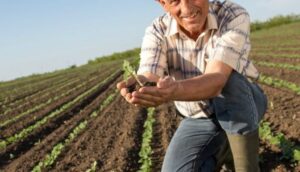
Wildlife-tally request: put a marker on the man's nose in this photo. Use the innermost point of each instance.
(186, 7)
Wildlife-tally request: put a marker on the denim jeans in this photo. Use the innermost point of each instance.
(195, 146)
(241, 106)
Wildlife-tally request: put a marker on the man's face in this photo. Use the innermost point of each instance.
(189, 14)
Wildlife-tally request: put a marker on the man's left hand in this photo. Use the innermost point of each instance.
(155, 96)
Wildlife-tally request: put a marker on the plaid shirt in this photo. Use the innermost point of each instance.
(166, 50)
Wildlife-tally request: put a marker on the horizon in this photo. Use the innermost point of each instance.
(39, 37)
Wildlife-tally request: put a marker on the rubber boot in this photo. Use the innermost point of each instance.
(245, 151)
(224, 159)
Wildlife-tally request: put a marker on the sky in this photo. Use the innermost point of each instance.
(38, 36)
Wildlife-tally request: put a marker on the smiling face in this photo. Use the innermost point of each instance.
(189, 14)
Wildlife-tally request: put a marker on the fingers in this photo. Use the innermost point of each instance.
(154, 91)
(142, 102)
(125, 84)
(148, 98)
(121, 85)
(165, 82)
(145, 96)
(138, 99)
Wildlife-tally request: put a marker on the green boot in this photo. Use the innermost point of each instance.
(245, 151)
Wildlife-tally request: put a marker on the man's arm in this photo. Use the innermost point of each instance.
(206, 86)
(203, 87)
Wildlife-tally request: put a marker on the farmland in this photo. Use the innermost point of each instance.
(74, 120)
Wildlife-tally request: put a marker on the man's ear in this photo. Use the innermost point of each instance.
(163, 4)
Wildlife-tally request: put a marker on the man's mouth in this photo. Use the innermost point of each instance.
(190, 17)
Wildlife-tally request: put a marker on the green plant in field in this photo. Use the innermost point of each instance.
(271, 105)
(56, 151)
(2, 144)
(130, 71)
(105, 103)
(26, 131)
(146, 150)
(296, 154)
(278, 65)
(93, 167)
(279, 83)
(289, 151)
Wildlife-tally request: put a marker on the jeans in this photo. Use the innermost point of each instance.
(195, 146)
(241, 106)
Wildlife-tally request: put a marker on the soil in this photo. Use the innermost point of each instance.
(291, 61)
(279, 73)
(113, 138)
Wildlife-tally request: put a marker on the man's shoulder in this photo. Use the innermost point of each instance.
(164, 20)
(162, 23)
(227, 9)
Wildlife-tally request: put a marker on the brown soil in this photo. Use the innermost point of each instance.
(292, 61)
(17, 111)
(279, 73)
(165, 126)
(30, 158)
(30, 119)
(262, 45)
(274, 51)
(38, 134)
(113, 140)
(284, 114)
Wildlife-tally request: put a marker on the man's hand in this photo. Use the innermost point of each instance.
(123, 87)
(155, 96)
(149, 96)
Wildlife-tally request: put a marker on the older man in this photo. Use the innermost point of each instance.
(198, 55)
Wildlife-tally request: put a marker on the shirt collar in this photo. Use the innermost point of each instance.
(173, 29)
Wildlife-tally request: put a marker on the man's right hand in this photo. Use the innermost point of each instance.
(123, 87)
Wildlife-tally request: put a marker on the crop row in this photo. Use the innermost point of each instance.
(146, 150)
(62, 94)
(288, 148)
(29, 100)
(25, 88)
(26, 131)
(270, 54)
(53, 88)
(274, 49)
(279, 83)
(50, 158)
(278, 65)
(56, 151)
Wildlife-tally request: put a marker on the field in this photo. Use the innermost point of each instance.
(74, 120)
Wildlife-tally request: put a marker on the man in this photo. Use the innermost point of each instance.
(198, 55)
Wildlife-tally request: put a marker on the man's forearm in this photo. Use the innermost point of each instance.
(200, 88)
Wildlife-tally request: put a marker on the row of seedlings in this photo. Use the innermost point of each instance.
(26, 131)
(58, 149)
(51, 100)
(289, 150)
(146, 150)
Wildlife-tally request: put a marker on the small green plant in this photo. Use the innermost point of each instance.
(130, 71)
(93, 167)
(288, 148)
(146, 150)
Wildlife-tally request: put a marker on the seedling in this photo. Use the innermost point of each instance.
(130, 71)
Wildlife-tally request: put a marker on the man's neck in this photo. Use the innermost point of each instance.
(194, 35)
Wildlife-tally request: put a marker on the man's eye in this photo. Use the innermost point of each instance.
(173, 2)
